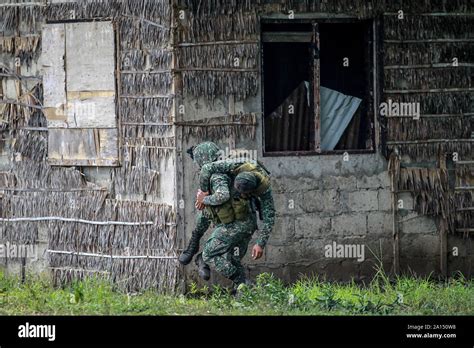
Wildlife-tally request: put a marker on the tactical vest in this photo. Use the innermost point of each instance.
(232, 210)
(262, 177)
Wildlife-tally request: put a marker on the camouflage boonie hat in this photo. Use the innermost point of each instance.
(206, 152)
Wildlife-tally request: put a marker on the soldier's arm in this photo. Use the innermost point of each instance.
(268, 213)
(218, 167)
(220, 186)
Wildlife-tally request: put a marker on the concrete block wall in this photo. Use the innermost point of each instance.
(314, 212)
(324, 199)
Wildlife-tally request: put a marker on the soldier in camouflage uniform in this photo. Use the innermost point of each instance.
(233, 221)
(251, 180)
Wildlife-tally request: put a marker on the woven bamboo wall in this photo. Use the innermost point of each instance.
(418, 67)
(93, 223)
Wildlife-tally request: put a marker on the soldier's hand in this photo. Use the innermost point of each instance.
(200, 196)
(257, 252)
(199, 206)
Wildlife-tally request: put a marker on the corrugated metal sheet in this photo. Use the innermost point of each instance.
(288, 127)
(337, 110)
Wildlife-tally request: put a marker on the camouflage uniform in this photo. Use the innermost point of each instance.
(229, 241)
(265, 197)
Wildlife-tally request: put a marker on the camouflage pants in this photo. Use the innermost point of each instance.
(227, 246)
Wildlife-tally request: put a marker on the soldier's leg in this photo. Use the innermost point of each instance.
(202, 224)
(242, 247)
(221, 246)
(217, 250)
(238, 254)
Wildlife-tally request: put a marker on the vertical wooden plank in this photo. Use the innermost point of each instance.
(54, 74)
(394, 172)
(375, 71)
(118, 86)
(90, 56)
(443, 233)
(316, 85)
(90, 73)
(231, 113)
(79, 77)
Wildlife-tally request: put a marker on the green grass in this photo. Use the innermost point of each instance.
(308, 296)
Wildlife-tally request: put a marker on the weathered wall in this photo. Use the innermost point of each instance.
(324, 199)
(319, 199)
(140, 191)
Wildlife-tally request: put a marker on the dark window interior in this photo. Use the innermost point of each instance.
(337, 41)
(286, 67)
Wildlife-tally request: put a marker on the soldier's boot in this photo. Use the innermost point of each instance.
(241, 282)
(193, 247)
(203, 268)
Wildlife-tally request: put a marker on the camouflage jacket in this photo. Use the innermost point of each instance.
(266, 198)
(220, 184)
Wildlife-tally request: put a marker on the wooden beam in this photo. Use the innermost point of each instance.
(78, 253)
(427, 41)
(217, 69)
(433, 14)
(428, 66)
(408, 142)
(434, 90)
(469, 114)
(286, 37)
(212, 43)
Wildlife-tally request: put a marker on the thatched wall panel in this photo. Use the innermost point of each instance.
(450, 77)
(144, 33)
(428, 53)
(425, 128)
(438, 103)
(427, 27)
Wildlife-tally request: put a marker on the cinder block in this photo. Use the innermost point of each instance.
(275, 254)
(293, 184)
(381, 180)
(283, 230)
(306, 250)
(349, 224)
(338, 182)
(418, 224)
(405, 201)
(385, 200)
(379, 223)
(420, 246)
(363, 200)
(287, 203)
(320, 201)
(312, 226)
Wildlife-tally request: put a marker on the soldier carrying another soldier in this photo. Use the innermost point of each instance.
(228, 195)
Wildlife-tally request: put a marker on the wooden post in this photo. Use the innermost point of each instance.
(316, 89)
(394, 171)
(232, 139)
(443, 233)
(176, 116)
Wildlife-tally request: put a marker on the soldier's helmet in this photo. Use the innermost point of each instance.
(206, 152)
